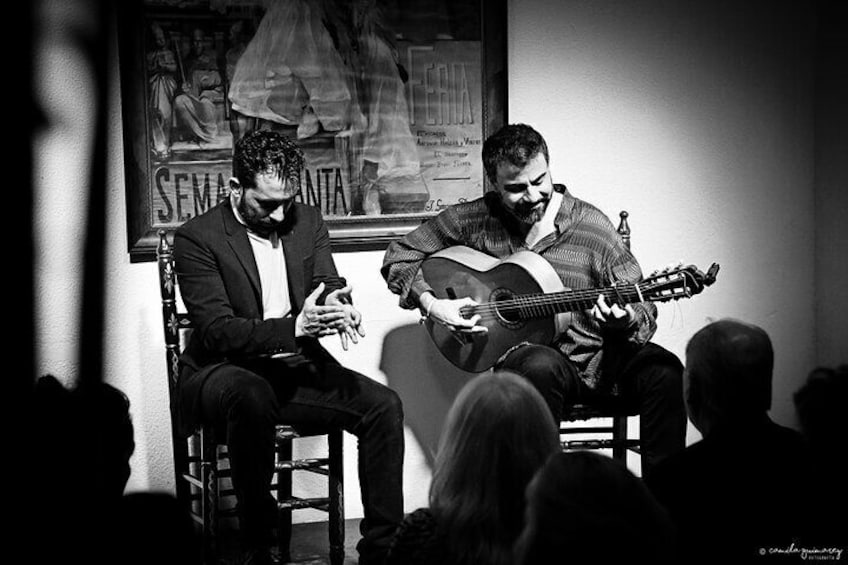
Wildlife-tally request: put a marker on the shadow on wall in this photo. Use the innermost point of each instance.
(426, 382)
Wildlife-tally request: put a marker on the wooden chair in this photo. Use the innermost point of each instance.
(198, 459)
(616, 430)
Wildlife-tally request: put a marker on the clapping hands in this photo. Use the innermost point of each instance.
(351, 329)
(336, 316)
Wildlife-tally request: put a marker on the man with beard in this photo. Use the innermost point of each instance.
(603, 356)
(258, 279)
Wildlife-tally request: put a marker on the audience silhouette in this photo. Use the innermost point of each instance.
(748, 489)
(741, 492)
(498, 433)
(820, 404)
(586, 508)
(82, 439)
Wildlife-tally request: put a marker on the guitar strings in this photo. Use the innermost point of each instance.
(543, 304)
(540, 305)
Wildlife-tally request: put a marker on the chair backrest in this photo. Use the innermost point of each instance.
(176, 327)
(624, 228)
(175, 323)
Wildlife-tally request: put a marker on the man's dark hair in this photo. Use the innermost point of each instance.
(264, 151)
(514, 143)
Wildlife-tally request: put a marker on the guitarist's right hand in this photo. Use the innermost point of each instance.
(448, 313)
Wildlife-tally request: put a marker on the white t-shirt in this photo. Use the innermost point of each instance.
(546, 225)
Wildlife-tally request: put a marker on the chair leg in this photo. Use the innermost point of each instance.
(181, 465)
(619, 436)
(336, 487)
(209, 497)
(284, 492)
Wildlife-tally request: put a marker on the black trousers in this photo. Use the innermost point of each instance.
(245, 401)
(651, 385)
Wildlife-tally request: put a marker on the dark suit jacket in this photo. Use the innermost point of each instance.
(219, 284)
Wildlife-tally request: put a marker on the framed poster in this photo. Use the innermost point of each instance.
(389, 99)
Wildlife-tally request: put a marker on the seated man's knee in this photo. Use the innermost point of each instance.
(248, 396)
(549, 371)
(389, 404)
(542, 365)
(385, 412)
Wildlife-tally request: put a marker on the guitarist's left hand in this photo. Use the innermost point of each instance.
(612, 317)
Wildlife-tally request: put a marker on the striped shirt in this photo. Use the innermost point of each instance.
(585, 250)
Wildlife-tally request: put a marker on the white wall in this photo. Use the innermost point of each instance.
(832, 189)
(696, 117)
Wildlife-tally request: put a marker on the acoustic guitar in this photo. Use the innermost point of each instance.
(521, 298)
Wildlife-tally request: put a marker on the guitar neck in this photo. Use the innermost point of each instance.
(541, 305)
(574, 300)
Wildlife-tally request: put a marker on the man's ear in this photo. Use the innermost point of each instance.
(235, 186)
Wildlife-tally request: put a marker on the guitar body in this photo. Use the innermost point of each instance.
(459, 272)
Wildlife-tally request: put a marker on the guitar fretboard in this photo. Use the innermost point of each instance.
(541, 305)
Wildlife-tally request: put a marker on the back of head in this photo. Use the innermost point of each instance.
(91, 426)
(88, 431)
(498, 432)
(820, 404)
(585, 507)
(728, 375)
(516, 144)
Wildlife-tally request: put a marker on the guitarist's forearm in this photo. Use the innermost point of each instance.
(420, 290)
(401, 271)
(425, 301)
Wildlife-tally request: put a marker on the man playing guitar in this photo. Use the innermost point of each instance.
(603, 355)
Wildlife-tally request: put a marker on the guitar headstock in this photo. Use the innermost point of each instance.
(673, 283)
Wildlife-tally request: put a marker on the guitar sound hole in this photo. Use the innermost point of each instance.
(508, 314)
